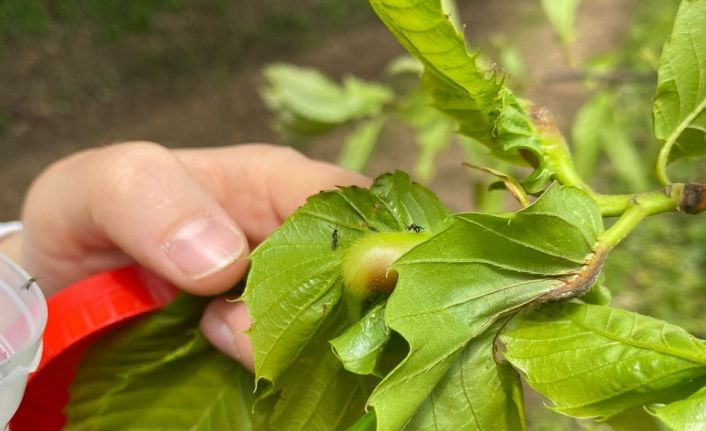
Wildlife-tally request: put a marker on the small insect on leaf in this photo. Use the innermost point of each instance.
(415, 228)
(334, 239)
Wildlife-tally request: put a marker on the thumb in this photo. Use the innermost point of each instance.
(135, 200)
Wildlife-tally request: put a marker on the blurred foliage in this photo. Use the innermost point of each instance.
(306, 105)
(561, 14)
(307, 102)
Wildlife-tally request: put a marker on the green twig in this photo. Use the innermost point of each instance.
(633, 208)
(625, 224)
(659, 201)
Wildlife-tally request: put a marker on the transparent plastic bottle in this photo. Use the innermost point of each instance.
(23, 316)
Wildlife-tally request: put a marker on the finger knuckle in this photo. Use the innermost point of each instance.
(127, 168)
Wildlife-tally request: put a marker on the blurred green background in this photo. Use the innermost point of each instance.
(80, 73)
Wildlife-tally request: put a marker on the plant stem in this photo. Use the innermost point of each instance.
(659, 201)
(556, 153)
(625, 224)
(633, 208)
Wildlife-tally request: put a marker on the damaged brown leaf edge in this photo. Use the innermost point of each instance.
(691, 200)
(579, 283)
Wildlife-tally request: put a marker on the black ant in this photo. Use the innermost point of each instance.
(29, 283)
(334, 239)
(415, 228)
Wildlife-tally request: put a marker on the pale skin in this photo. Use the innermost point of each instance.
(191, 216)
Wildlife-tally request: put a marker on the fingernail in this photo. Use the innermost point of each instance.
(219, 334)
(204, 246)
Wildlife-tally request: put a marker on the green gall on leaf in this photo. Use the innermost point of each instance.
(295, 298)
(367, 266)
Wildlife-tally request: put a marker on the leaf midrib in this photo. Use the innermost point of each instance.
(219, 398)
(278, 337)
(696, 359)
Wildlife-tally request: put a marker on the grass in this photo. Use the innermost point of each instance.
(20, 19)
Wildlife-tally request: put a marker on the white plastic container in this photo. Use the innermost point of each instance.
(23, 315)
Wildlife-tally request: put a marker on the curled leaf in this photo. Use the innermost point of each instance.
(485, 109)
(361, 346)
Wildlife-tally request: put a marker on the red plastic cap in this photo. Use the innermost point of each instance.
(78, 315)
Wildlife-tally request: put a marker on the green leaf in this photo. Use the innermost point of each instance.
(295, 288)
(598, 295)
(453, 287)
(432, 138)
(360, 347)
(511, 58)
(635, 419)
(365, 423)
(485, 109)
(359, 145)
(316, 392)
(307, 102)
(475, 394)
(586, 132)
(691, 143)
(686, 414)
(404, 64)
(160, 373)
(680, 104)
(433, 132)
(623, 155)
(562, 15)
(634, 359)
(597, 128)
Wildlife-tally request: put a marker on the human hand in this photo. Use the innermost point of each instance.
(190, 216)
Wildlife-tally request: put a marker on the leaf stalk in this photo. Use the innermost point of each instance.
(664, 200)
(632, 209)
